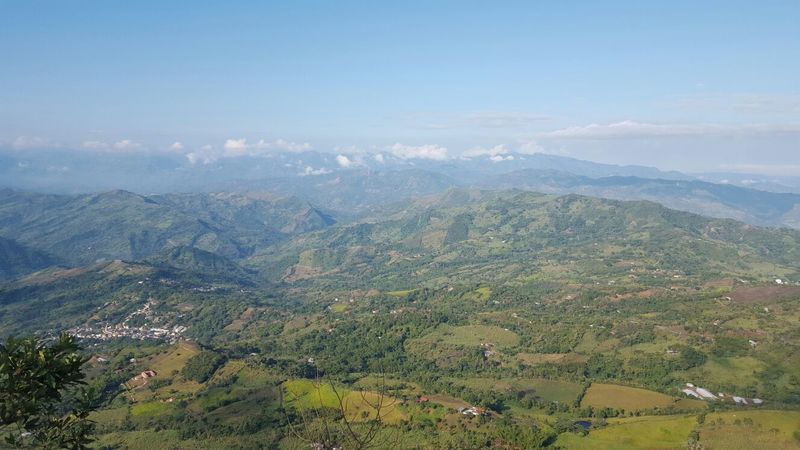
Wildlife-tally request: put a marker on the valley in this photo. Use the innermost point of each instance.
(415, 225)
(482, 312)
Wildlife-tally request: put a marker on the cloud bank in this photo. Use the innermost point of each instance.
(427, 151)
(240, 147)
(629, 129)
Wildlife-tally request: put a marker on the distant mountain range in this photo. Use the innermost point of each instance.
(506, 235)
(715, 200)
(66, 171)
(348, 187)
(74, 244)
(83, 229)
(17, 259)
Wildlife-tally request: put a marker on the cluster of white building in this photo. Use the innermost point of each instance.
(473, 411)
(704, 394)
(123, 330)
(109, 332)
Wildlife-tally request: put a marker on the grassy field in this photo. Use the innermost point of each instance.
(339, 307)
(532, 359)
(623, 397)
(400, 294)
(738, 371)
(113, 417)
(549, 390)
(592, 344)
(174, 359)
(150, 409)
(357, 405)
(448, 401)
(167, 364)
(634, 433)
(472, 335)
(743, 430)
(239, 323)
(481, 294)
(363, 406)
(149, 440)
(308, 394)
(689, 403)
(394, 386)
(229, 369)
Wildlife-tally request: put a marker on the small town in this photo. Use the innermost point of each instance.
(120, 330)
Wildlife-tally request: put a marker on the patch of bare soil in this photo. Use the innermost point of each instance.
(764, 294)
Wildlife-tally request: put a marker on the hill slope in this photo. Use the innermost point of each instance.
(716, 200)
(82, 229)
(512, 235)
(17, 259)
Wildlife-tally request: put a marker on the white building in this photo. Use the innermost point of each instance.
(705, 393)
(691, 393)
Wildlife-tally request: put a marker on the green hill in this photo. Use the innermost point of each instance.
(513, 235)
(700, 197)
(201, 262)
(82, 229)
(17, 259)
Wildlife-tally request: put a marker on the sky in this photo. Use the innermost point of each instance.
(681, 85)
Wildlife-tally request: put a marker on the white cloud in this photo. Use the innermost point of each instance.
(240, 147)
(427, 151)
(198, 157)
(624, 129)
(629, 129)
(530, 148)
(288, 146)
(176, 146)
(123, 145)
(344, 161)
(493, 151)
(498, 158)
(94, 145)
(204, 155)
(193, 158)
(350, 149)
(28, 142)
(496, 153)
(126, 144)
(379, 157)
(235, 147)
(312, 171)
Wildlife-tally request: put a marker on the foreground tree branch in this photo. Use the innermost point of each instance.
(43, 399)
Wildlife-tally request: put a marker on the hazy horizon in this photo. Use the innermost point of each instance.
(694, 88)
(400, 225)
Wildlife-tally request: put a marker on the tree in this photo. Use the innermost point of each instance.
(43, 398)
(201, 366)
(330, 424)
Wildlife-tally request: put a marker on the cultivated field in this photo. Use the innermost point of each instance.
(358, 406)
(601, 395)
(472, 335)
(744, 430)
(634, 433)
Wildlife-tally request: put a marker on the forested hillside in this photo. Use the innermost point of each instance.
(474, 317)
(507, 236)
(82, 229)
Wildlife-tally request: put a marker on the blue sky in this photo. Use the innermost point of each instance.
(681, 85)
